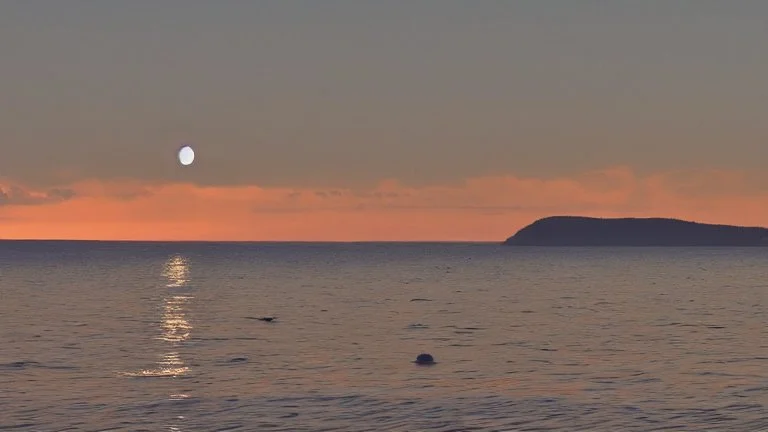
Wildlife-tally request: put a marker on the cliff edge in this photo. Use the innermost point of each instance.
(587, 231)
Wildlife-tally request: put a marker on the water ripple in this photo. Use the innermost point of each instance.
(598, 340)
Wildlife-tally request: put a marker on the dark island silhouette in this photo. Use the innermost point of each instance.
(588, 231)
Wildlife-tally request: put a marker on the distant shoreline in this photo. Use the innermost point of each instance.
(635, 232)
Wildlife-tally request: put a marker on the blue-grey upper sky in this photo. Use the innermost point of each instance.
(333, 92)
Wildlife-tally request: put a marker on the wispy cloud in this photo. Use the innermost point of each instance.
(14, 195)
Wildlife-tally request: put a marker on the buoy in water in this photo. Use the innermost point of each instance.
(425, 359)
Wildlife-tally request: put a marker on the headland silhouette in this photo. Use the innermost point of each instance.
(590, 231)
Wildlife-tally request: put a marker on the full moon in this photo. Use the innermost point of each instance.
(186, 155)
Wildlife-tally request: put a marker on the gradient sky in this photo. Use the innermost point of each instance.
(373, 120)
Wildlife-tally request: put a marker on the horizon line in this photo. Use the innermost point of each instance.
(251, 241)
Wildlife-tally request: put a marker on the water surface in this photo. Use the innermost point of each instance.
(157, 336)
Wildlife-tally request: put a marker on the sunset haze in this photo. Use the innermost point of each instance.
(386, 121)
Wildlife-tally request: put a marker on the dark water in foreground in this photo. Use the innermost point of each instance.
(110, 336)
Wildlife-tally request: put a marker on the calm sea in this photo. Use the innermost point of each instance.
(157, 337)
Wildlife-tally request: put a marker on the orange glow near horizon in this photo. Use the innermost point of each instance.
(478, 209)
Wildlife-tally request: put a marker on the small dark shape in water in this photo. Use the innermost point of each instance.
(22, 364)
(420, 299)
(265, 319)
(425, 359)
(418, 326)
(238, 359)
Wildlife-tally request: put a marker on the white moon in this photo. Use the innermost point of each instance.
(186, 155)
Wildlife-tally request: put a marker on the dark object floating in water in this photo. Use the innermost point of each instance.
(20, 364)
(420, 299)
(425, 359)
(238, 359)
(265, 319)
(418, 326)
(588, 231)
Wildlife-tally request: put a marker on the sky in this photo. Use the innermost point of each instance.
(368, 120)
